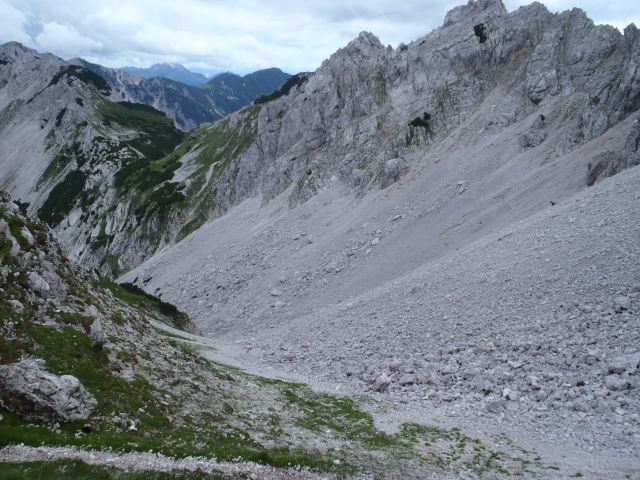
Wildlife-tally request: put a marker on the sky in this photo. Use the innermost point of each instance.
(240, 35)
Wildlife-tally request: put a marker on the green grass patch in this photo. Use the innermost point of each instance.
(138, 298)
(321, 412)
(167, 334)
(62, 159)
(480, 31)
(156, 134)
(70, 351)
(62, 198)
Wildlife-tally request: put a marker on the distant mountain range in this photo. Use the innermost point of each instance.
(172, 71)
(235, 90)
(190, 106)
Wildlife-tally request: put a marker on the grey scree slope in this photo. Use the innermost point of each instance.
(458, 293)
(533, 324)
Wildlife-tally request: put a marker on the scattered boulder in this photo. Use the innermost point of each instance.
(580, 406)
(37, 283)
(407, 379)
(27, 389)
(6, 231)
(532, 138)
(605, 165)
(97, 334)
(395, 365)
(391, 172)
(616, 383)
(622, 302)
(26, 234)
(624, 363)
(534, 382)
(16, 305)
(496, 406)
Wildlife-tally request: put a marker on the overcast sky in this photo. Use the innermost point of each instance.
(239, 35)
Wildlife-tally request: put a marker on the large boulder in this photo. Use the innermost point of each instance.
(27, 389)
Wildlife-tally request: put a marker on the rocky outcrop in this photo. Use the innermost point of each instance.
(27, 388)
(65, 144)
(611, 162)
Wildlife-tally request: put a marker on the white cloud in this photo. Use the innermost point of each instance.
(240, 36)
(12, 25)
(65, 41)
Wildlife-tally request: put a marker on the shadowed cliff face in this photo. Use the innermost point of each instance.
(366, 117)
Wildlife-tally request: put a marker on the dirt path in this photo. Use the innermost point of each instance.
(155, 462)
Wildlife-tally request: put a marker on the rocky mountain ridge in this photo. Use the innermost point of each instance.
(370, 114)
(369, 109)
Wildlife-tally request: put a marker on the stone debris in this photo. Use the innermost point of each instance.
(540, 330)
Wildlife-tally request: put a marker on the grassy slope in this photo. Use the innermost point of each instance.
(156, 134)
(138, 135)
(147, 182)
(142, 147)
(216, 146)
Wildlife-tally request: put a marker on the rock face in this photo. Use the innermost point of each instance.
(369, 104)
(370, 113)
(29, 390)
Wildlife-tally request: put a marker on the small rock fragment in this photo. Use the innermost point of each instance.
(381, 383)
